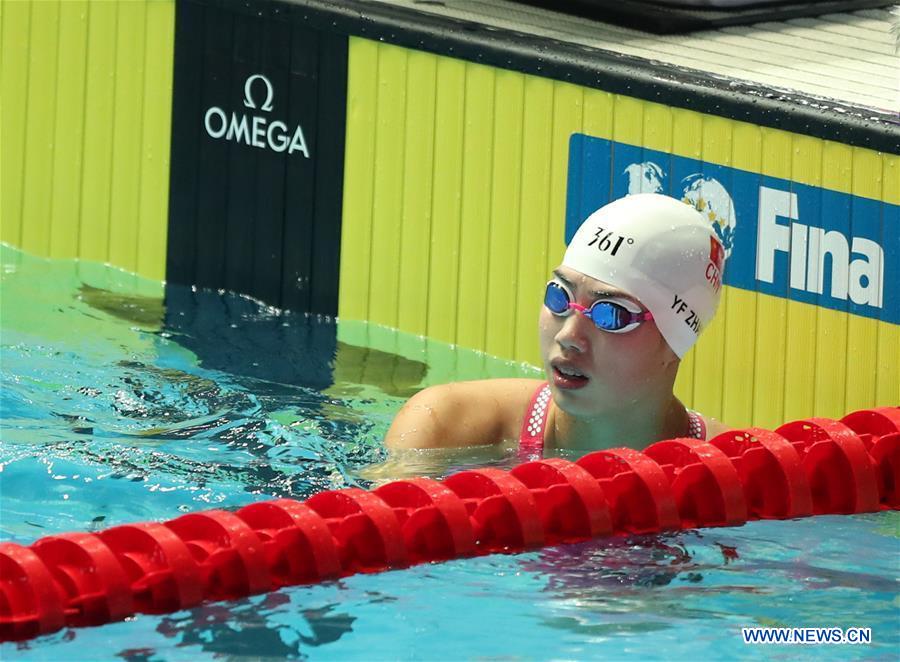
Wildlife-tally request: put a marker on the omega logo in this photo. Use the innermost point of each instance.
(257, 130)
(248, 98)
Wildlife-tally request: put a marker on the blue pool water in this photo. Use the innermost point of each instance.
(117, 408)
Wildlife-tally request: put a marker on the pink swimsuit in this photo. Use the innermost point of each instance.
(531, 438)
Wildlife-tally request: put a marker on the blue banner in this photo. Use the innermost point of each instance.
(782, 238)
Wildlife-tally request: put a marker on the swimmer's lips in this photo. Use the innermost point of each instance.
(563, 380)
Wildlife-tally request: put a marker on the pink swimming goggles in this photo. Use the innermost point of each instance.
(607, 314)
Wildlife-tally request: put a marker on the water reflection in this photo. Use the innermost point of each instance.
(216, 400)
(250, 628)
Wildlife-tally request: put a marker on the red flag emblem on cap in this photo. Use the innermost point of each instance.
(716, 262)
(716, 253)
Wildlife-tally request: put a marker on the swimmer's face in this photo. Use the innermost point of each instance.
(611, 370)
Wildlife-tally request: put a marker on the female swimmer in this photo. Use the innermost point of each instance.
(638, 283)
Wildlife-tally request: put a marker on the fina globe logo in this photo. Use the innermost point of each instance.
(706, 195)
(857, 263)
(256, 130)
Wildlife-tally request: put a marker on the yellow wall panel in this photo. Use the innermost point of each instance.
(38, 161)
(359, 164)
(800, 366)
(99, 109)
(599, 110)
(831, 364)
(14, 31)
(69, 131)
(862, 363)
(509, 108)
(390, 119)
(444, 262)
(887, 367)
(658, 127)
(537, 162)
(628, 120)
(739, 317)
(687, 132)
(155, 140)
(126, 146)
(478, 154)
(420, 170)
(87, 97)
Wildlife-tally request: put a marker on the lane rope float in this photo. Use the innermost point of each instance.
(814, 466)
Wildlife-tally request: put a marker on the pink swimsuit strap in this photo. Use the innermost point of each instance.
(696, 425)
(531, 437)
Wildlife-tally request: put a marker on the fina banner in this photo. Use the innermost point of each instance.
(790, 240)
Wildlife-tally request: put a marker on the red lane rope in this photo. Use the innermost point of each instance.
(814, 466)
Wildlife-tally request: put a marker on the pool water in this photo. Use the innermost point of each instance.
(124, 402)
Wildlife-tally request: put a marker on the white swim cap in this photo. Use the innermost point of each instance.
(661, 251)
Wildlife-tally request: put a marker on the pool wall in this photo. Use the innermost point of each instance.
(438, 172)
(257, 153)
(87, 96)
(495, 197)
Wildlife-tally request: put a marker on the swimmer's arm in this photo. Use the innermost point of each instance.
(463, 414)
(445, 416)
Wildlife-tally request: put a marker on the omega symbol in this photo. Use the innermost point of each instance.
(255, 130)
(248, 97)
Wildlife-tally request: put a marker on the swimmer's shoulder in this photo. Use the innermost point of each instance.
(460, 414)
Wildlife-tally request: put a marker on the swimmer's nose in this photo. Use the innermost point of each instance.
(574, 334)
